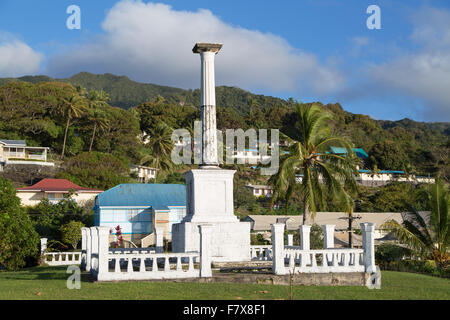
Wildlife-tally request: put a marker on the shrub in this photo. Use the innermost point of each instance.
(71, 233)
(18, 239)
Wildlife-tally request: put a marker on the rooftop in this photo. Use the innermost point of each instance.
(60, 185)
(263, 222)
(157, 196)
(21, 143)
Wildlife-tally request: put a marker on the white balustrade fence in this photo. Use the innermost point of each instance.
(62, 258)
(261, 253)
(113, 264)
(59, 258)
(300, 259)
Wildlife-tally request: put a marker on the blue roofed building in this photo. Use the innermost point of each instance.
(360, 153)
(139, 208)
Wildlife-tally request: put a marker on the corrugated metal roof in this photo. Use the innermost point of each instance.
(157, 196)
(14, 142)
(360, 153)
(47, 184)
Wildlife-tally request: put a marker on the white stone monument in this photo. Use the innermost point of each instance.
(209, 189)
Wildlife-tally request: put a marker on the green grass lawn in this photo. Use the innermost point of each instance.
(47, 283)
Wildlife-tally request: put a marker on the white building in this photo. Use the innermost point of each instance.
(17, 152)
(144, 174)
(261, 190)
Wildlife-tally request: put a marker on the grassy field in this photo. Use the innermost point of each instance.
(48, 283)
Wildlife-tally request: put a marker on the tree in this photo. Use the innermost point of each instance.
(97, 99)
(324, 173)
(18, 239)
(427, 237)
(72, 107)
(161, 145)
(71, 233)
(96, 170)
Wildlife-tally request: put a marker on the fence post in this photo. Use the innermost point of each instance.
(43, 245)
(304, 237)
(278, 248)
(88, 249)
(205, 250)
(83, 247)
(328, 236)
(103, 250)
(94, 250)
(290, 239)
(368, 238)
(159, 239)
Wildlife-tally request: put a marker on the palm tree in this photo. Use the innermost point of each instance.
(97, 99)
(161, 145)
(427, 237)
(324, 173)
(73, 107)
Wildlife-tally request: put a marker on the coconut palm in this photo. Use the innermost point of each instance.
(97, 99)
(72, 107)
(427, 236)
(324, 173)
(161, 144)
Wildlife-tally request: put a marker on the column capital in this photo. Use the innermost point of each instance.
(206, 47)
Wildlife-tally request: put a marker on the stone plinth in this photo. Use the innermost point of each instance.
(209, 197)
(230, 241)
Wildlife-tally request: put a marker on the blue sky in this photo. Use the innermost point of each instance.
(312, 50)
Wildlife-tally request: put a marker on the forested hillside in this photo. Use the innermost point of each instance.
(31, 109)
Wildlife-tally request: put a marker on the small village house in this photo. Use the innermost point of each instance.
(139, 208)
(144, 174)
(17, 152)
(260, 190)
(55, 190)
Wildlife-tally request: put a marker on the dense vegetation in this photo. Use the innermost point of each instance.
(416, 147)
(102, 140)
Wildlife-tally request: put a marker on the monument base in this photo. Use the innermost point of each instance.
(230, 240)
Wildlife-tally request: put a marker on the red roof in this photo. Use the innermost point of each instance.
(56, 185)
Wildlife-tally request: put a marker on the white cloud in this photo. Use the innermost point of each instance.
(18, 59)
(152, 43)
(424, 74)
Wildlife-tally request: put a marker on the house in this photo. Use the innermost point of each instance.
(262, 223)
(55, 190)
(359, 152)
(261, 190)
(144, 174)
(139, 208)
(17, 152)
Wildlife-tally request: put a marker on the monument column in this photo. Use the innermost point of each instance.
(207, 53)
(209, 189)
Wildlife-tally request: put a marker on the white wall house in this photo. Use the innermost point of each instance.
(144, 174)
(55, 190)
(17, 152)
(260, 190)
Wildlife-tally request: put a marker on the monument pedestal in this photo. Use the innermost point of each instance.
(209, 197)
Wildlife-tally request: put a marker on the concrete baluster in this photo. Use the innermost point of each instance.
(103, 252)
(278, 249)
(368, 229)
(205, 250)
(290, 239)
